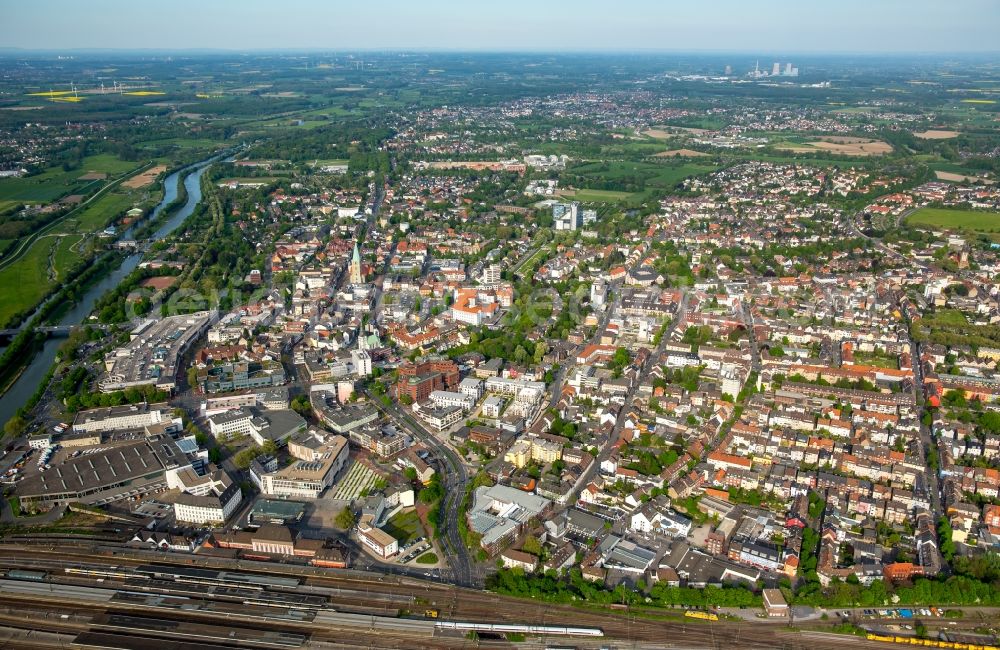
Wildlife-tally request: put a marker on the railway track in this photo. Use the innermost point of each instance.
(354, 590)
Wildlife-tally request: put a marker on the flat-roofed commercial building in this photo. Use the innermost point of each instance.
(384, 544)
(308, 478)
(106, 475)
(153, 355)
(277, 425)
(213, 507)
(116, 418)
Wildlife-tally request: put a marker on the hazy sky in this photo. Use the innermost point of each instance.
(573, 25)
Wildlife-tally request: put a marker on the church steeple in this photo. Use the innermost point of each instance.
(354, 271)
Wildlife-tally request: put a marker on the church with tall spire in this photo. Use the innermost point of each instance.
(354, 270)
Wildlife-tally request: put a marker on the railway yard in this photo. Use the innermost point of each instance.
(91, 597)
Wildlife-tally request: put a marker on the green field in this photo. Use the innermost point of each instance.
(25, 282)
(986, 222)
(182, 143)
(45, 264)
(602, 196)
(266, 180)
(404, 526)
(650, 176)
(98, 213)
(947, 317)
(48, 259)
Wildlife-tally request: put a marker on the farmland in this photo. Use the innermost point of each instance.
(839, 145)
(937, 134)
(56, 182)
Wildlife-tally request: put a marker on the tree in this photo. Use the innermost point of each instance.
(302, 406)
(532, 545)
(540, 350)
(15, 426)
(345, 518)
(243, 459)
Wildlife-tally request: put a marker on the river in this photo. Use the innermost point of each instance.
(33, 374)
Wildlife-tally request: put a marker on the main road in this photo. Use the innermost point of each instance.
(456, 479)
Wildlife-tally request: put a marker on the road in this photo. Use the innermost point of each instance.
(679, 318)
(755, 364)
(926, 439)
(456, 478)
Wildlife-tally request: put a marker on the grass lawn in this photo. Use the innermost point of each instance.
(987, 222)
(948, 317)
(25, 281)
(65, 255)
(404, 526)
(96, 215)
(878, 360)
(427, 558)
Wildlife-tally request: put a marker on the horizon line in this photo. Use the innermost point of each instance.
(526, 51)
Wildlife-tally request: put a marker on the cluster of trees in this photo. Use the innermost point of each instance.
(860, 384)
(346, 519)
(687, 378)
(573, 587)
(112, 306)
(84, 399)
(563, 428)
(494, 344)
(697, 335)
(945, 543)
(950, 332)
(648, 463)
(244, 458)
(471, 538)
(955, 590)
